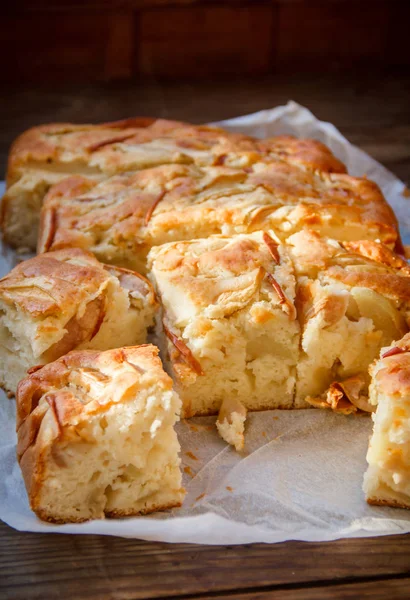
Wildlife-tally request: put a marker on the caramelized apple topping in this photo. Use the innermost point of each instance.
(272, 247)
(392, 352)
(130, 280)
(48, 229)
(184, 351)
(333, 308)
(344, 397)
(79, 329)
(153, 207)
(286, 305)
(113, 140)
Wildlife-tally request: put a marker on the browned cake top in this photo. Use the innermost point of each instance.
(82, 383)
(393, 370)
(138, 142)
(175, 202)
(53, 284)
(366, 264)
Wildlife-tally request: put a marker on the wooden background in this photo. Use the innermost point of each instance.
(90, 40)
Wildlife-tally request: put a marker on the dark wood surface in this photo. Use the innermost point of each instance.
(91, 40)
(374, 112)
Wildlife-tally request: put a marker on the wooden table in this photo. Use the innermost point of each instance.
(373, 112)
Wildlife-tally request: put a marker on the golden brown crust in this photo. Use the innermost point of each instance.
(52, 143)
(302, 151)
(48, 143)
(379, 253)
(50, 284)
(65, 404)
(382, 502)
(393, 372)
(344, 397)
(225, 272)
(53, 401)
(115, 514)
(365, 263)
(391, 285)
(130, 213)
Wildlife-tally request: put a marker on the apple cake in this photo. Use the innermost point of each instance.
(45, 155)
(54, 303)
(228, 325)
(352, 299)
(387, 480)
(122, 218)
(96, 436)
(277, 325)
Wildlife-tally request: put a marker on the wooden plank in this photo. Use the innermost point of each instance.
(94, 567)
(199, 41)
(376, 590)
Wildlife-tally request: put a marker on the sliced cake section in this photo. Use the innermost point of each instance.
(228, 327)
(45, 155)
(96, 436)
(122, 218)
(353, 298)
(63, 300)
(387, 480)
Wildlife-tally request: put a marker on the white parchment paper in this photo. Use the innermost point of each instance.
(300, 477)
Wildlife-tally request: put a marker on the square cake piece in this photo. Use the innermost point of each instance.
(387, 480)
(228, 326)
(63, 300)
(122, 218)
(96, 436)
(352, 299)
(45, 155)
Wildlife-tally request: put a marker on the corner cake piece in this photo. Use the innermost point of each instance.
(63, 300)
(96, 436)
(123, 217)
(353, 298)
(43, 156)
(387, 480)
(228, 327)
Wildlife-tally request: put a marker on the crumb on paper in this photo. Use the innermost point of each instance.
(406, 192)
(275, 418)
(200, 497)
(191, 455)
(264, 433)
(190, 425)
(189, 472)
(229, 488)
(231, 423)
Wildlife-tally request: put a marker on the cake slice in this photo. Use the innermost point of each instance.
(228, 327)
(387, 480)
(96, 436)
(45, 155)
(352, 299)
(63, 300)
